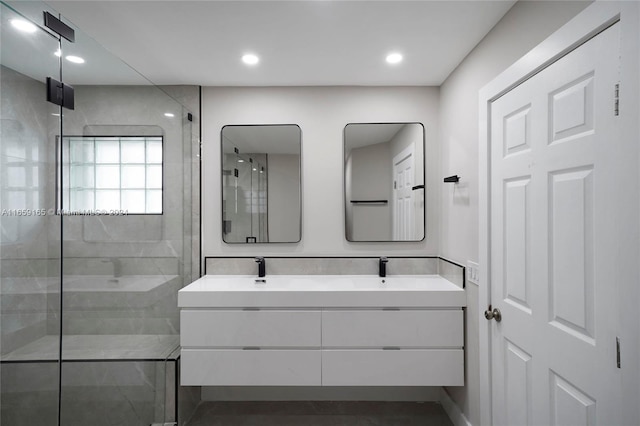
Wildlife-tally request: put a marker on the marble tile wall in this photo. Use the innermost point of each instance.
(29, 394)
(337, 266)
(137, 309)
(24, 305)
(113, 393)
(133, 110)
(451, 271)
(189, 96)
(29, 269)
(321, 265)
(103, 265)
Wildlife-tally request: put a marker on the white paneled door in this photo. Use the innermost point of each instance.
(554, 149)
(403, 195)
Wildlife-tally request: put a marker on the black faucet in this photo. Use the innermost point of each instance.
(382, 266)
(261, 266)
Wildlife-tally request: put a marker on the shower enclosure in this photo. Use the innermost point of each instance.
(244, 204)
(97, 231)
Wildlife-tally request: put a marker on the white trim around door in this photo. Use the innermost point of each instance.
(583, 27)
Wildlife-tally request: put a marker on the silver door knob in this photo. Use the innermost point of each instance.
(493, 314)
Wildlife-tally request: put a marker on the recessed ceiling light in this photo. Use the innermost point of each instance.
(169, 114)
(55, 114)
(75, 59)
(24, 26)
(255, 170)
(58, 53)
(250, 59)
(394, 58)
(240, 161)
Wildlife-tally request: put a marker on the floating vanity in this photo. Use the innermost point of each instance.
(322, 330)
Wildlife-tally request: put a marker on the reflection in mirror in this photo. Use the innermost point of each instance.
(261, 196)
(384, 181)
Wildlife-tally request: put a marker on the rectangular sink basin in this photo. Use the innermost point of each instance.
(304, 291)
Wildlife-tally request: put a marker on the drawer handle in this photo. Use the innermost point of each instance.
(250, 309)
(390, 348)
(251, 348)
(390, 309)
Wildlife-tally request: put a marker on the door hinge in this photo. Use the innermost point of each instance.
(616, 100)
(59, 27)
(59, 93)
(618, 351)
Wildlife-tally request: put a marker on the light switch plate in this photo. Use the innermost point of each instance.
(473, 272)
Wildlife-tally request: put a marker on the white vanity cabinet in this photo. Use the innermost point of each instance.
(250, 347)
(388, 347)
(302, 332)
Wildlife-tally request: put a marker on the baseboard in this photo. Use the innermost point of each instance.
(454, 412)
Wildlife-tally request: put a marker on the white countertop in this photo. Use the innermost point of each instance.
(308, 291)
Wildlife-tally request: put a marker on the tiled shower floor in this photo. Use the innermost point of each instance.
(97, 347)
(319, 413)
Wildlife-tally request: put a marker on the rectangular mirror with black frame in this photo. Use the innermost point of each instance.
(261, 183)
(384, 181)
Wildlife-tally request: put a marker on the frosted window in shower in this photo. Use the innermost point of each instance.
(108, 199)
(154, 177)
(133, 177)
(133, 200)
(107, 176)
(132, 152)
(154, 152)
(107, 151)
(112, 173)
(154, 200)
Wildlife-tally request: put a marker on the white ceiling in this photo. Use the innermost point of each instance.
(299, 42)
(34, 54)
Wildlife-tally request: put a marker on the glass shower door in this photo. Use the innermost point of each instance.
(126, 241)
(30, 237)
(96, 232)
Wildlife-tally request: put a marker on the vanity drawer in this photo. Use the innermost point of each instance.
(231, 367)
(401, 328)
(263, 328)
(405, 367)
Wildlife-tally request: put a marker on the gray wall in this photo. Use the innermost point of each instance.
(370, 179)
(284, 197)
(520, 30)
(322, 113)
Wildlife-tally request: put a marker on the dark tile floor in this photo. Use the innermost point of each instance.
(319, 413)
